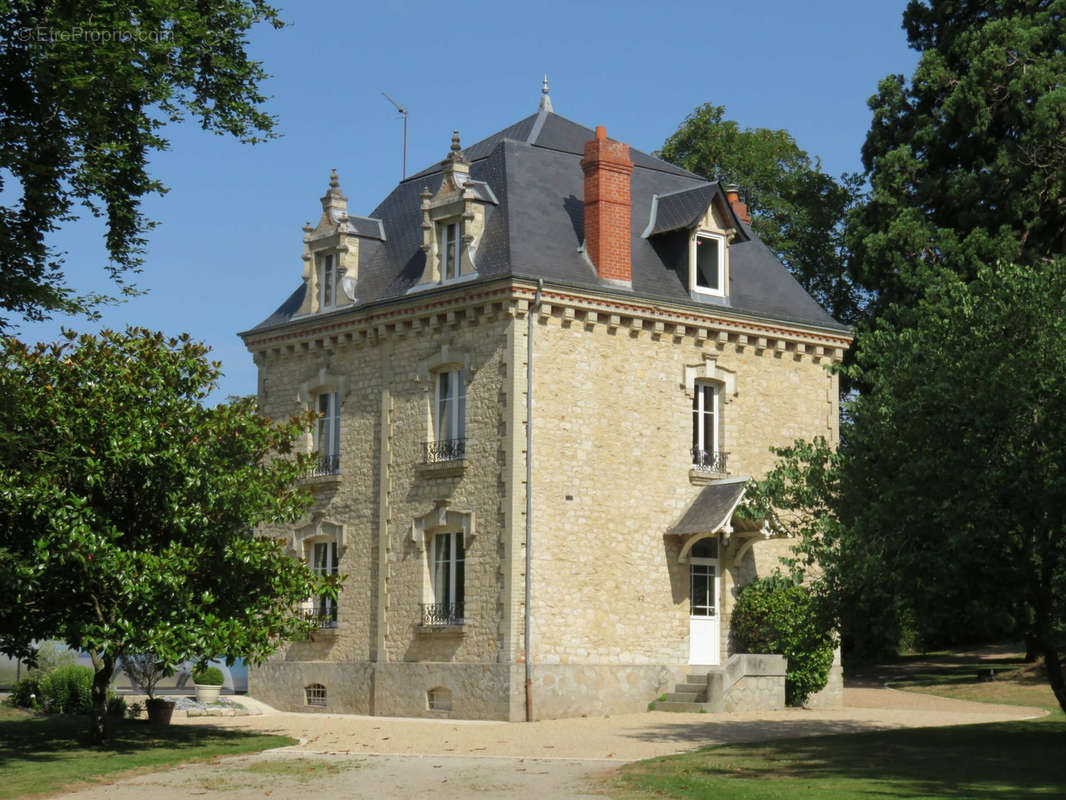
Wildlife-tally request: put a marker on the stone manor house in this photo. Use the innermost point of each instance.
(670, 349)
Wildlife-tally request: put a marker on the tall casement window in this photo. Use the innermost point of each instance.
(705, 453)
(448, 578)
(324, 563)
(708, 265)
(449, 416)
(327, 281)
(449, 249)
(327, 434)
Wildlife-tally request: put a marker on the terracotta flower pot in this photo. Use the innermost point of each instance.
(160, 711)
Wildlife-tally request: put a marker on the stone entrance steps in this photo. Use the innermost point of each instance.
(746, 682)
(690, 696)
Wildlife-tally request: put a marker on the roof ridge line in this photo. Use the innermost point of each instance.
(689, 189)
(538, 124)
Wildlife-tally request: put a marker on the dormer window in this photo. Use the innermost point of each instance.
(453, 221)
(449, 248)
(707, 264)
(327, 281)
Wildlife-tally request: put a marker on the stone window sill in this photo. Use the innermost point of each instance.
(326, 631)
(322, 480)
(442, 469)
(702, 477)
(456, 629)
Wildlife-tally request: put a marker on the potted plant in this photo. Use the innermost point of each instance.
(144, 672)
(208, 682)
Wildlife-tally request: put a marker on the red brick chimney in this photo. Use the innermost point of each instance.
(607, 206)
(732, 193)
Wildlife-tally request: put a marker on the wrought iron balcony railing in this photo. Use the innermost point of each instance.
(324, 618)
(709, 460)
(444, 450)
(442, 613)
(326, 465)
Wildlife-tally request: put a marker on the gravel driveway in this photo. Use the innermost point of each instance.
(356, 757)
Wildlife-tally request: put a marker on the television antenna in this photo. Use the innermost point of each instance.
(403, 113)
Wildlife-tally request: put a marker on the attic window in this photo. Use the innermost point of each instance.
(449, 248)
(327, 281)
(707, 264)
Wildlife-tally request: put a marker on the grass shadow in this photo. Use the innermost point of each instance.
(41, 754)
(996, 760)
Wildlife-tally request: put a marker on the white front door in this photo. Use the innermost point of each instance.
(703, 610)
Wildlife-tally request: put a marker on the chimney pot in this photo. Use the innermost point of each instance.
(732, 193)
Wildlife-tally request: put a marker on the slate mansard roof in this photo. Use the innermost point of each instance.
(534, 229)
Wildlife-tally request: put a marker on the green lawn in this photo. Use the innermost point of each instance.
(42, 755)
(997, 760)
(1011, 686)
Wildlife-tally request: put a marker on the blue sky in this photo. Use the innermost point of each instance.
(227, 251)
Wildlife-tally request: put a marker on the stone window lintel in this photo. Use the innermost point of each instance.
(710, 370)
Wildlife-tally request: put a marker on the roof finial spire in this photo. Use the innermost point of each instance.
(545, 99)
(334, 197)
(455, 154)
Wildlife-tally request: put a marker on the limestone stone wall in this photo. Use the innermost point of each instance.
(612, 460)
(612, 428)
(756, 693)
(400, 369)
(574, 690)
(477, 691)
(832, 696)
(281, 684)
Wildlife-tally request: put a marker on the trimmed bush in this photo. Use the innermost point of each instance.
(776, 615)
(67, 690)
(26, 693)
(116, 706)
(210, 676)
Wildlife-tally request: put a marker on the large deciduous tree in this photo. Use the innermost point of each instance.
(797, 209)
(128, 509)
(85, 89)
(967, 160)
(948, 495)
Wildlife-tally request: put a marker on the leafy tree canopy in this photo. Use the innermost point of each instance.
(967, 160)
(797, 209)
(127, 508)
(85, 89)
(948, 494)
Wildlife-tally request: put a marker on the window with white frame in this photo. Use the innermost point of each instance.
(705, 452)
(327, 280)
(449, 416)
(447, 562)
(324, 563)
(449, 249)
(327, 434)
(707, 264)
(703, 564)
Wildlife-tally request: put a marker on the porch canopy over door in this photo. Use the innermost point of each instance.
(710, 513)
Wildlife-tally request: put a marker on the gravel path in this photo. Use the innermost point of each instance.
(355, 757)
